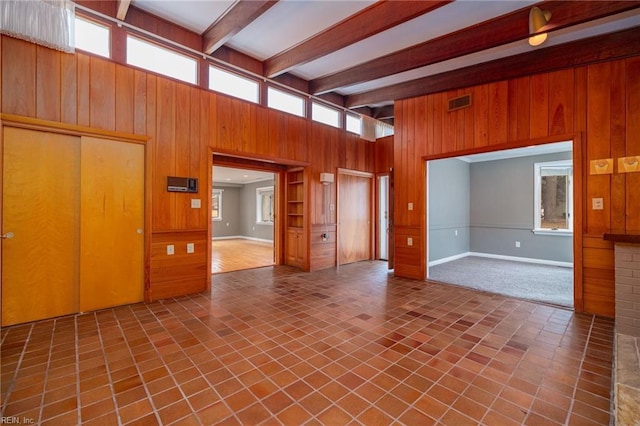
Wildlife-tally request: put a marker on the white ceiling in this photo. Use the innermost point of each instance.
(548, 148)
(227, 175)
(290, 22)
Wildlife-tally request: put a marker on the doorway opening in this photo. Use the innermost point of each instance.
(243, 219)
(502, 222)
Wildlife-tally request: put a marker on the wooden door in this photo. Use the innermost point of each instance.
(354, 217)
(112, 220)
(40, 190)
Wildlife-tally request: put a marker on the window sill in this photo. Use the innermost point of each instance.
(264, 223)
(558, 233)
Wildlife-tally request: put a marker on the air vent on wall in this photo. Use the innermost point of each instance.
(459, 102)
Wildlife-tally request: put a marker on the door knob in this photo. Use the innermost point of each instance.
(7, 236)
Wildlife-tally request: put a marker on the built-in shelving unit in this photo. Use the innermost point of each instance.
(296, 238)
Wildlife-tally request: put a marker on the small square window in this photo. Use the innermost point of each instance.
(553, 197)
(216, 204)
(265, 213)
(286, 102)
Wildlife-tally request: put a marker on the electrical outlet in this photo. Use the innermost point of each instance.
(191, 248)
(517, 244)
(409, 241)
(410, 206)
(597, 203)
(170, 250)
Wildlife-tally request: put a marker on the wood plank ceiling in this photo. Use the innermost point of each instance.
(365, 54)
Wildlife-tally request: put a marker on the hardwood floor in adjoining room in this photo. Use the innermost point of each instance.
(277, 346)
(238, 253)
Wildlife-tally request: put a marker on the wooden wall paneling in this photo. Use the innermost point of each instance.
(468, 124)
(262, 128)
(449, 134)
(164, 164)
(498, 112)
(439, 102)
(102, 91)
(224, 121)
(68, 89)
(182, 152)
(140, 102)
(323, 253)
(83, 92)
(19, 79)
(632, 207)
(429, 143)
(407, 258)
(618, 145)
(198, 150)
(578, 219)
(181, 273)
(598, 275)
(297, 146)
(481, 115)
(125, 100)
(561, 102)
(598, 146)
(47, 83)
(539, 109)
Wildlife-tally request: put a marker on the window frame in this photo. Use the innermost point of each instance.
(537, 195)
(356, 117)
(216, 193)
(166, 48)
(259, 205)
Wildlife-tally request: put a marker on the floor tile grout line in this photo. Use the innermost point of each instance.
(5, 403)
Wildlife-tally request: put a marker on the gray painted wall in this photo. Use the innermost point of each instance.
(448, 208)
(239, 213)
(231, 224)
(501, 210)
(248, 213)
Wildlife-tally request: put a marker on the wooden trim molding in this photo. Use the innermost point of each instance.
(69, 129)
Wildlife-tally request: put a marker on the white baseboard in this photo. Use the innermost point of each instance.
(523, 259)
(449, 259)
(501, 257)
(242, 237)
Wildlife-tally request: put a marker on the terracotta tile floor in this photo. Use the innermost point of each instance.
(349, 346)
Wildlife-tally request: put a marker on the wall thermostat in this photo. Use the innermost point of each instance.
(182, 184)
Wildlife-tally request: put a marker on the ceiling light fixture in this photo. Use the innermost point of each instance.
(537, 20)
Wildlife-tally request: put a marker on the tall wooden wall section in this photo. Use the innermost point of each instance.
(599, 103)
(184, 124)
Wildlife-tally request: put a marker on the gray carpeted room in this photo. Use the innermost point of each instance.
(501, 222)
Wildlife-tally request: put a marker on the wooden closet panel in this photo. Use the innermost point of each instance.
(111, 223)
(41, 208)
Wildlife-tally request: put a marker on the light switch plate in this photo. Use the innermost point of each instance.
(410, 206)
(190, 248)
(170, 250)
(409, 241)
(195, 203)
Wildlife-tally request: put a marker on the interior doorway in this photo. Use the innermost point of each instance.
(383, 217)
(243, 218)
(502, 222)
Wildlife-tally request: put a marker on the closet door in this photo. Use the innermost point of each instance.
(111, 223)
(40, 244)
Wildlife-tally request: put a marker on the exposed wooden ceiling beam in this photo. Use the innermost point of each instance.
(123, 8)
(612, 46)
(241, 14)
(376, 18)
(495, 32)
